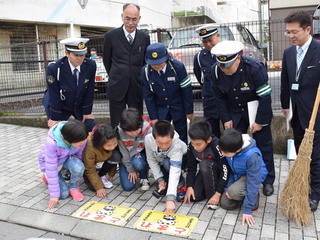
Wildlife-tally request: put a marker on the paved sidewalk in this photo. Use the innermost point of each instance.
(23, 200)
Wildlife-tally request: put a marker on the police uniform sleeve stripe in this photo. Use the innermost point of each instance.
(186, 82)
(263, 90)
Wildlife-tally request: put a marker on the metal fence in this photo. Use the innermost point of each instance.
(23, 65)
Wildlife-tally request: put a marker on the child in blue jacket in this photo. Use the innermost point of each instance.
(248, 171)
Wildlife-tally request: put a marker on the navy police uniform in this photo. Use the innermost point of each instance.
(248, 83)
(66, 96)
(168, 94)
(202, 64)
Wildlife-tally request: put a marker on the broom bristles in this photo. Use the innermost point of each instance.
(294, 199)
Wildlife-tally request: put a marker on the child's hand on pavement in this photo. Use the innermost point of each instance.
(215, 199)
(247, 218)
(189, 194)
(101, 193)
(53, 202)
(170, 206)
(133, 176)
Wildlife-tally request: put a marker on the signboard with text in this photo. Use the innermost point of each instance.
(169, 224)
(104, 212)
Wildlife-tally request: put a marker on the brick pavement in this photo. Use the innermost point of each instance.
(23, 200)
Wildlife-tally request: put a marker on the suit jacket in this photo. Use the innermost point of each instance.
(63, 94)
(309, 78)
(123, 62)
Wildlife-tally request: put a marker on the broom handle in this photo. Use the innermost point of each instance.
(315, 110)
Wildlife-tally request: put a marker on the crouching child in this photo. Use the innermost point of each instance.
(164, 152)
(210, 180)
(248, 171)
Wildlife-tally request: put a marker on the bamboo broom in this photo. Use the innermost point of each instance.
(294, 199)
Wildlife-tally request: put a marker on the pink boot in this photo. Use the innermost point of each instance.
(76, 194)
(44, 178)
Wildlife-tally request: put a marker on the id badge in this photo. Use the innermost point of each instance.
(295, 86)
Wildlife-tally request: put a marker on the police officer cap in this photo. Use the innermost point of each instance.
(156, 53)
(76, 45)
(227, 52)
(206, 31)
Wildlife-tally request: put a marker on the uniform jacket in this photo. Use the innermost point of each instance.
(202, 72)
(302, 100)
(248, 83)
(130, 146)
(123, 62)
(167, 93)
(62, 92)
(211, 153)
(92, 156)
(248, 162)
(53, 154)
(155, 158)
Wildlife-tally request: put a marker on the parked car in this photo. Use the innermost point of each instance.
(186, 43)
(101, 81)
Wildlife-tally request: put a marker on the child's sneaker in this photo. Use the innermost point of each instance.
(181, 192)
(44, 178)
(213, 206)
(106, 182)
(145, 185)
(76, 194)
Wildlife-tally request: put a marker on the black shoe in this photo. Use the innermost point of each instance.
(313, 204)
(156, 193)
(268, 190)
(65, 174)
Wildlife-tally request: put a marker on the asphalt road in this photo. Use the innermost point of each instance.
(11, 231)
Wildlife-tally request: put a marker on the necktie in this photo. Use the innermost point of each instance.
(299, 57)
(130, 38)
(75, 76)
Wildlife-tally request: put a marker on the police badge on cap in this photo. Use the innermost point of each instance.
(227, 52)
(206, 31)
(156, 54)
(76, 45)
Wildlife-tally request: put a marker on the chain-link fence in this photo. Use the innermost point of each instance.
(23, 65)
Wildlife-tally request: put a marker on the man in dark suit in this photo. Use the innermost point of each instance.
(123, 57)
(70, 85)
(299, 82)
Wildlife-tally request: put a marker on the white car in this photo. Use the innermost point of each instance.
(101, 81)
(186, 43)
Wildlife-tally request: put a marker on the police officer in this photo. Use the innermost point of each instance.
(70, 85)
(167, 89)
(202, 64)
(238, 80)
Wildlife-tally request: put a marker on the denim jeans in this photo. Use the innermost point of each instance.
(139, 162)
(165, 169)
(76, 168)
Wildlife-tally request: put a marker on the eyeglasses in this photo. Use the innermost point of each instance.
(128, 19)
(294, 32)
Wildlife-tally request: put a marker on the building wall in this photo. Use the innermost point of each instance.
(278, 11)
(97, 13)
(275, 4)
